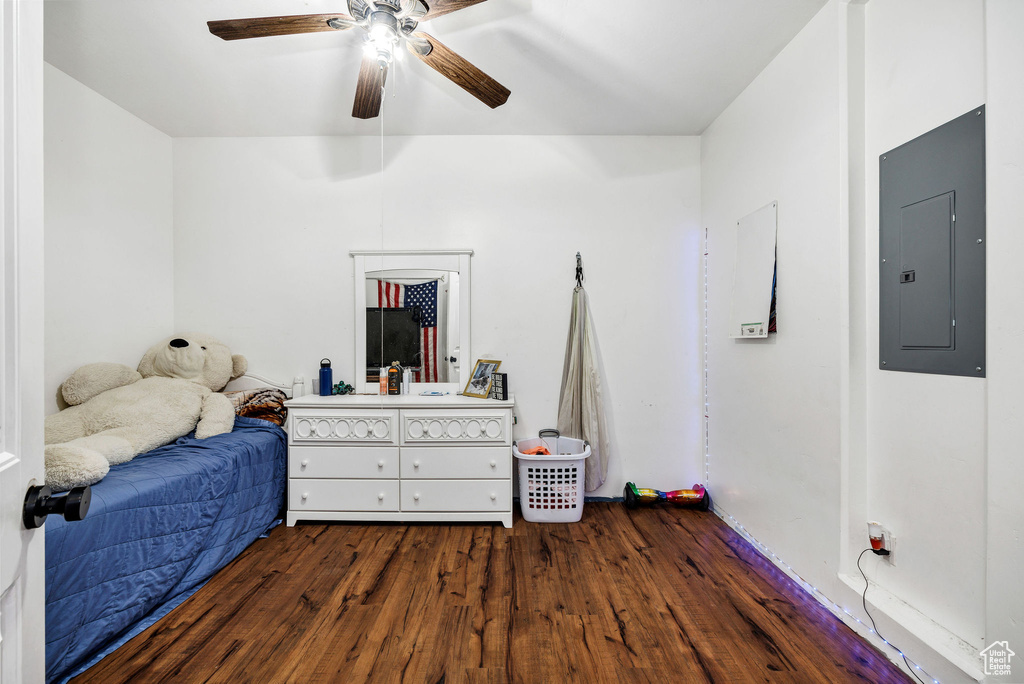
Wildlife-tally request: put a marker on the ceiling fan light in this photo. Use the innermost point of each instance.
(383, 21)
(380, 50)
(381, 34)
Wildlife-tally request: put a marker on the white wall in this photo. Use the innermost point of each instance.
(263, 228)
(773, 422)
(926, 433)
(109, 231)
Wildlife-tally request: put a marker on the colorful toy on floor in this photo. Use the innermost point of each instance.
(697, 497)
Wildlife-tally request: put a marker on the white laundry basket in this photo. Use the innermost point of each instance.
(551, 487)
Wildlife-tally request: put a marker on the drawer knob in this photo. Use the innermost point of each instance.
(416, 464)
(305, 462)
(494, 497)
(305, 495)
(380, 464)
(494, 464)
(380, 497)
(415, 497)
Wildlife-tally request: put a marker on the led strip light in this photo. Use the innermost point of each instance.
(707, 431)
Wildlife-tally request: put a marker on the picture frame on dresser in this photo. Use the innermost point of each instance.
(479, 384)
(499, 386)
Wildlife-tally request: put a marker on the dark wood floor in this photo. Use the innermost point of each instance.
(653, 595)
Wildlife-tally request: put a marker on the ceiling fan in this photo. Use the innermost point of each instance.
(387, 23)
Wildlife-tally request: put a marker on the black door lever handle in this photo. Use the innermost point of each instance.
(40, 502)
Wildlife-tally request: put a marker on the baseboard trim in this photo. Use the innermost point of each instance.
(935, 636)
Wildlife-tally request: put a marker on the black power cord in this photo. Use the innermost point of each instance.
(864, 602)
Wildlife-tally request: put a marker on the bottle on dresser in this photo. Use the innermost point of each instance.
(326, 378)
(395, 378)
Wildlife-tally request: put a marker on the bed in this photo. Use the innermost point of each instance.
(158, 528)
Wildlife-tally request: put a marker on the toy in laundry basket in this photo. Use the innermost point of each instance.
(697, 497)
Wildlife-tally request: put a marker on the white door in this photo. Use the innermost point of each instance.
(22, 570)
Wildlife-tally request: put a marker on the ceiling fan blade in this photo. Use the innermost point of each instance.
(258, 27)
(370, 88)
(436, 8)
(459, 71)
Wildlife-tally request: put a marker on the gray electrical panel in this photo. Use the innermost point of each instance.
(932, 251)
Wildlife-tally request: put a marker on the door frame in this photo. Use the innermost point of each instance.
(22, 564)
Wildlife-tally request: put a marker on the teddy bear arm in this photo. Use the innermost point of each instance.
(64, 426)
(95, 378)
(73, 464)
(217, 416)
(86, 460)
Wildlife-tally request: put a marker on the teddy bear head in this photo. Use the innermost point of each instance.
(196, 357)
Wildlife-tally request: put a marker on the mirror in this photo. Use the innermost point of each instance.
(413, 307)
(753, 286)
(412, 317)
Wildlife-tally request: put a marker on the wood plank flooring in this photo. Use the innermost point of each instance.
(652, 595)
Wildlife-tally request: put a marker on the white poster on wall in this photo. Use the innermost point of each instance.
(754, 283)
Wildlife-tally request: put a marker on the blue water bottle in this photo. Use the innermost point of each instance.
(326, 378)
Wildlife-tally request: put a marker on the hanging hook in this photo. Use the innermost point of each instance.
(579, 270)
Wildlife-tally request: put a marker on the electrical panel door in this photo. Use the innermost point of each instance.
(926, 274)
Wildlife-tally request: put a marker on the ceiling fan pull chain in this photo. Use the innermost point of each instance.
(394, 80)
(383, 100)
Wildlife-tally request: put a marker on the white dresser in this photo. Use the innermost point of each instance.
(401, 458)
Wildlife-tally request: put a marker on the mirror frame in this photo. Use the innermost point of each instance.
(369, 261)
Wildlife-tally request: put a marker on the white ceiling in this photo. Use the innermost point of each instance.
(594, 67)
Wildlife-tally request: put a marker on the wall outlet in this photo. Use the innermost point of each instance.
(881, 538)
(890, 545)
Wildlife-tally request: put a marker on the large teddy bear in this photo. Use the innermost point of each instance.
(116, 413)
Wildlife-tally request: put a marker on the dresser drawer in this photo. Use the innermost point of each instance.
(448, 426)
(324, 426)
(342, 462)
(456, 495)
(472, 463)
(342, 495)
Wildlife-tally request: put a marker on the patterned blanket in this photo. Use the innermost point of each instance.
(265, 403)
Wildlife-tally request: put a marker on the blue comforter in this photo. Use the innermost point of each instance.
(159, 527)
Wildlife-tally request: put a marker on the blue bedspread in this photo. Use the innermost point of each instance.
(159, 526)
